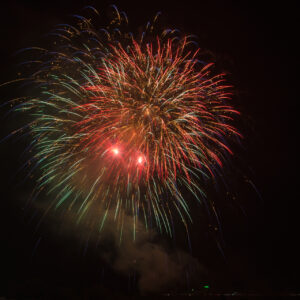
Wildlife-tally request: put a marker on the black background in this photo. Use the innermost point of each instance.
(255, 44)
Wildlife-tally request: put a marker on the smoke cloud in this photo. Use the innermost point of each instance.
(157, 265)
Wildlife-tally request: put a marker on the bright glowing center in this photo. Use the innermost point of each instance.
(140, 159)
(115, 151)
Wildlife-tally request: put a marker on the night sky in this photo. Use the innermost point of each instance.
(255, 45)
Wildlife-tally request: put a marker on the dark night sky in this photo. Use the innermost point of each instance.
(255, 44)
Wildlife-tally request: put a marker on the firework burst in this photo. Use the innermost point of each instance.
(122, 123)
